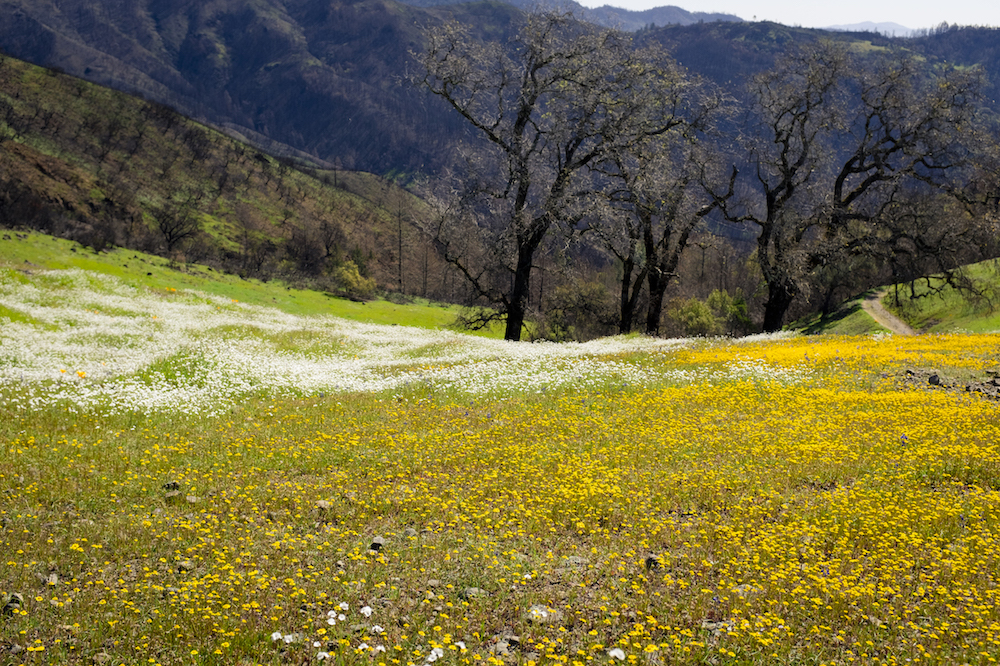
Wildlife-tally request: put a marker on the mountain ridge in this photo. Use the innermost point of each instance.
(330, 79)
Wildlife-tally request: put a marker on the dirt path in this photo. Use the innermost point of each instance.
(873, 306)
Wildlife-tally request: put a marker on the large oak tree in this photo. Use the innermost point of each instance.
(544, 109)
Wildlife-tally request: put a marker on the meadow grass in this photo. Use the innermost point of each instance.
(932, 305)
(30, 251)
(226, 483)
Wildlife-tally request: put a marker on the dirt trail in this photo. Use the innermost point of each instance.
(873, 306)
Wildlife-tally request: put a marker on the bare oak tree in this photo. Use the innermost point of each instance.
(836, 143)
(543, 109)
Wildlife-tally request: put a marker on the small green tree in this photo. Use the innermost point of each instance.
(351, 283)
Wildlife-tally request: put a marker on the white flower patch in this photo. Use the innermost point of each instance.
(96, 343)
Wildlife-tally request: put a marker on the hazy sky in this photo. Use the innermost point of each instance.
(912, 14)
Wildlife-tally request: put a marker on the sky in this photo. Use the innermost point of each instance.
(913, 14)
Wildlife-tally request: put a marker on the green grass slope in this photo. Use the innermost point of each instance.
(969, 300)
(103, 168)
(966, 301)
(32, 252)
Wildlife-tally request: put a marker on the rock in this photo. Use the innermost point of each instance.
(717, 628)
(543, 614)
(51, 579)
(102, 658)
(433, 582)
(653, 562)
(377, 544)
(11, 602)
(505, 645)
(192, 499)
(474, 592)
(409, 533)
(172, 496)
(186, 565)
(323, 505)
(171, 486)
(935, 380)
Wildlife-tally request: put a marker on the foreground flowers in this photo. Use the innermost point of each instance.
(791, 500)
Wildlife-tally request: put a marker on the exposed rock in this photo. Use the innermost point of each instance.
(11, 602)
(474, 592)
(323, 505)
(409, 532)
(716, 628)
(377, 544)
(989, 389)
(505, 645)
(50, 580)
(186, 565)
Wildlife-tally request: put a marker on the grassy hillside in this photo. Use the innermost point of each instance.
(106, 169)
(326, 78)
(968, 300)
(185, 480)
(30, 253)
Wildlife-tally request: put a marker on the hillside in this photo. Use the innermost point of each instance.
(609, 16)
(326, 78)
(331, 78)
(964, 300)
(105, 169)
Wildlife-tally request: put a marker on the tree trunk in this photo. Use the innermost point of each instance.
(518, 301)
(628, 298)
(657, 288)
(780, 294)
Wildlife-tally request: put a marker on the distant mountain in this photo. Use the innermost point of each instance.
(624, 19)
(885, 28)
(331, 78)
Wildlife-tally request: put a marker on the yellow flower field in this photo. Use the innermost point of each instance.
(791, 500)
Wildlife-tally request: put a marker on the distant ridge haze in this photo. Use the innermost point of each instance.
(916, 15)
(885, 28)
(608, 15)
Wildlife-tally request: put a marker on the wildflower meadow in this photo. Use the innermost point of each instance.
(187, 479)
